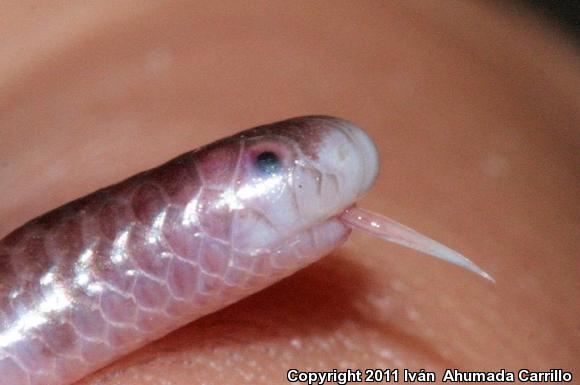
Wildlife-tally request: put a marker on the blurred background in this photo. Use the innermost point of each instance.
(565, 13)
(474, 106)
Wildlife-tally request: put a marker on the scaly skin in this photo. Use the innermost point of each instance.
(104, 275)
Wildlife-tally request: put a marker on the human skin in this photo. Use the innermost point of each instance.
(474, 109)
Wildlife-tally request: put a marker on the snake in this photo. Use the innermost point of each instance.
(103, 275)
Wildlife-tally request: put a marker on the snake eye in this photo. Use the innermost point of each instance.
(268, 162)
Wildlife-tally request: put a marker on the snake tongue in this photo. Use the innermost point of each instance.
(379, 226)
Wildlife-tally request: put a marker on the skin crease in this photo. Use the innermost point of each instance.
(474, 109)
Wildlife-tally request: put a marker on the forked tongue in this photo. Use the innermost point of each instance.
(391, 231)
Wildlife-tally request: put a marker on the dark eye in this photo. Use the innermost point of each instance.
(268, 162)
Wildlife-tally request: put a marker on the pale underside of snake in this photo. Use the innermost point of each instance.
(103, 275)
